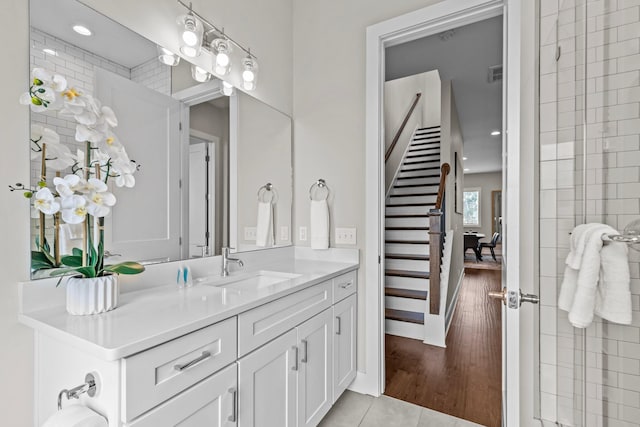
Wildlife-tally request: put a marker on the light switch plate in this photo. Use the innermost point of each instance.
(345, 236)
(284, 233)
(302, 234)
(250, 233)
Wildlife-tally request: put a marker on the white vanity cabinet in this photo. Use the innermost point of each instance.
(344, 344)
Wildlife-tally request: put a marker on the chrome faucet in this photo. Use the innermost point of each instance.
(226, 260)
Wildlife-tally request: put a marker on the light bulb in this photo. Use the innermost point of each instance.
(200, 74)
(248, 85)
(167, 57)
(248, 76)
(189, 51)
(222, 60)
(189, 35)
(250, 73)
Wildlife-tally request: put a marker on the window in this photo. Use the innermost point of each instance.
(471, 207)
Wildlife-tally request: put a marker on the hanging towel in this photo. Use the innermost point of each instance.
(75, 416)
(70, 237)
(264, 229)
(319, 224)
(585, 290)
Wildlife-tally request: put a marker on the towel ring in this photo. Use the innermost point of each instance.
(319, 185)
(266, 190)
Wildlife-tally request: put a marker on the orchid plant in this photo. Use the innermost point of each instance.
(82, 196)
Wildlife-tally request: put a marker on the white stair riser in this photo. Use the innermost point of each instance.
(406, 235)
(419, 173)
(422, 152)
(424, 148)
(399, 210)
(412, 199)
(421, 166)
(414, 190)
(430, 180)
(406, 264)
(402, 248)
(407, 222)
(434, 131)
(406, 283)
(429, 158)
(404, 329)
(407, 304)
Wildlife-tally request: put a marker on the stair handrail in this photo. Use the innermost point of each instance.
(404, 123)
(436, 242)
(444, 171)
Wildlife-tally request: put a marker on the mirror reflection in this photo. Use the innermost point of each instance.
(204, 157)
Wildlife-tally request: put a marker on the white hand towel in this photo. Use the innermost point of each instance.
(264, 229)
(319, 224)
(75, 416)
(70, 237)
(613, 300)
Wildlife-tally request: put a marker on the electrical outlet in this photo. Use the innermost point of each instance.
(284, 233)
(345, 236)
(302, 235)
(250, 233)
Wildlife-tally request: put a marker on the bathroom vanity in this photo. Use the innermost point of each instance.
(273, 346)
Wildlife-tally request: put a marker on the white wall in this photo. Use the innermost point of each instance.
(488, 182)
(399, 95)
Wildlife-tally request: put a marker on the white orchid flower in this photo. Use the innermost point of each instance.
(55, 81)
(85, 133)
(67, 186)
(109, 116)
(42, 93)
(95, 185)
(59, 157)
(100, 203)
(42, 135)
(45, 202)
(74, 209)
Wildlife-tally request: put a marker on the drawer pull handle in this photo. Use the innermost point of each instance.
(345, 285)
(295, 358)
(303, 359)
(339, 327)
(234, 414)
(205, 355)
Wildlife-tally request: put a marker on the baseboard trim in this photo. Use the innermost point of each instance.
(454, 302)
(363, 384)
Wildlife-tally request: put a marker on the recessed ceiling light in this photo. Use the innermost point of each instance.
(82, 30)
(495, 133)
(50, 51)
(464, 158)
(467, 169)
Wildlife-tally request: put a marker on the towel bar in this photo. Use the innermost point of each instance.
(264, 190)
(319, 184)
(624, 238)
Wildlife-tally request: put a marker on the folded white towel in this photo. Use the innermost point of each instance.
(586, 288)
(319, 224)
(70, 237)
(613, 300)
(75, 416)
(264, 228)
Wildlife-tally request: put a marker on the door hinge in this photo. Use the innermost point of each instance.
(180, 126)
(180, 240)
(179, 183)
(207, 158)
(379, 259)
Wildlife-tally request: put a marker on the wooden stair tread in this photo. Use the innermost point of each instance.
(421, 169)
(415, 185)
(407, 273)
(408, 242)
(415, 156)
(429, 127)
(409, 205)
(418, 215)
(413, 195)
(412, 257)
(405, 293)
(407, 228)
(404, 316)
(420, 162)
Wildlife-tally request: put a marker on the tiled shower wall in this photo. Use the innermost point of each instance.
(611, 379)
(77, 66)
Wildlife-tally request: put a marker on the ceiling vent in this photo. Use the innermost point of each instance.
(495, 73)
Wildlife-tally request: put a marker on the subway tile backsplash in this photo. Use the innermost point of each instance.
(612, 356)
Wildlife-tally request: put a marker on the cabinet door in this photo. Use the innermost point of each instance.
(344, 338)
(210, 403)
(315, 342)
(268, 384)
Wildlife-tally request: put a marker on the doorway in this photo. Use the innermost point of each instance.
(455, 119)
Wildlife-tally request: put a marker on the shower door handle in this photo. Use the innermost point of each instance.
(513, 299)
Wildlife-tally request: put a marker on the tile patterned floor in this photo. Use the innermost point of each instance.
(359, 410)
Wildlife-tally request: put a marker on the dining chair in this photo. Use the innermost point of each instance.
(491, 245)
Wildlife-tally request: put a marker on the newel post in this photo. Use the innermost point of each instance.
(435, 253)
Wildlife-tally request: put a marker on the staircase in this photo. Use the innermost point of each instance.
(412, 195)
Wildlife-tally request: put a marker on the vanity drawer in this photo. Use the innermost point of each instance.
(344, 285)
(157, 374)
(262, 324)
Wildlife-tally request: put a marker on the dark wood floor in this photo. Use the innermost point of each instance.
(464, 379)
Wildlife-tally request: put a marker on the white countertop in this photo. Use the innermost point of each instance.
(150, 317)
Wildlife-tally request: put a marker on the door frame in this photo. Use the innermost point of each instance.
(518, 405)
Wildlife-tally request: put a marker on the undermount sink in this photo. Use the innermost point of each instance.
(253, 281)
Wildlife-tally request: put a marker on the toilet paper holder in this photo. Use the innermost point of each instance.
(90, 387)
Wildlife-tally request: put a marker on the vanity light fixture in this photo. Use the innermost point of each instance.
(197, 33)
(495, 133)
(200, 74)
(227, 88)
(167, 57)
(250, 73)
(221, 48)
(82, 30)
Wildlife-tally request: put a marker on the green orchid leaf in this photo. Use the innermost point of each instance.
(72, 261)
(76, 252)
(127, 267)
(87, 271)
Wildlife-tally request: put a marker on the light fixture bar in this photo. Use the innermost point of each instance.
(213, 27)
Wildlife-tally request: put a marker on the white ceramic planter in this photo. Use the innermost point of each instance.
(92, 295)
